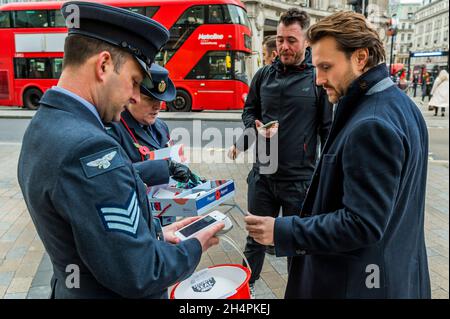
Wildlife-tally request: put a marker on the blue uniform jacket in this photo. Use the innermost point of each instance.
(121, 134)
(361, 230)
(89, 205)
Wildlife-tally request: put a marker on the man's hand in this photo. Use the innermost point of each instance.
(207, 237)
(260, 228)
(169, 230)
(266, 132)
(233, 152)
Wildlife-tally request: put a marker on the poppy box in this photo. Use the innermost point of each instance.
(171, 201)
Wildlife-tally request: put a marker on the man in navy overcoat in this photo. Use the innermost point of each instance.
(361, 229)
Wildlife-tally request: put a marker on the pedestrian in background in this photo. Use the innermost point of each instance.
(269, 49)
(426, 86)
(439, 92)
(414, 84)
(361, 229)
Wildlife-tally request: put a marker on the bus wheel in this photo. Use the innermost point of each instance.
(182, 103)
(31, 98)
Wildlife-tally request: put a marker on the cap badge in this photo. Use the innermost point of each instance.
(162, 86)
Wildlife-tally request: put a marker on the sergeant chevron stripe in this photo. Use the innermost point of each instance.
(122, 219)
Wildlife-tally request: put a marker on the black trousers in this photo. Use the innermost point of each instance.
(436, 109)
(265, 197)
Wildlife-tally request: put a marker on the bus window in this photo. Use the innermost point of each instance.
(37, 68)
(163, 56)
(56, 19)
(20, 68)
(215, 14)
(140, 10)
(5, 19)
(145, 11)
(181, 30)
(150, 11)
(212, 66)
(30, 19)
(237, 15)
(57, 67)
(192, 16)
(240, 69)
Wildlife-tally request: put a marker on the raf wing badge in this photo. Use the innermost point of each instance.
(101, 162)
(104, 162)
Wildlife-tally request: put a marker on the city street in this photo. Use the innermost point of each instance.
(12, 129)
(25, 269)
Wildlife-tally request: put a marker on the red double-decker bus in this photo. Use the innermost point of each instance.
(207, 54)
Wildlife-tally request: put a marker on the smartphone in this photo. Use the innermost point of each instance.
(199, 225)
(267, 125)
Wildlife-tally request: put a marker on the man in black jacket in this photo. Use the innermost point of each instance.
(284, 91)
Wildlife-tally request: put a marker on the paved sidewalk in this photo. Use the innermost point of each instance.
(432, 121)
(25, 269)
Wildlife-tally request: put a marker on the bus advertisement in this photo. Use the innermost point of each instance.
(207, 54)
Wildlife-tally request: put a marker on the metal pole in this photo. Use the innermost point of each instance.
(392, 50)
(448, 56)
(365, 4)
(409, 66)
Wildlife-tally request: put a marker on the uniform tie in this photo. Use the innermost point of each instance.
(149, 130)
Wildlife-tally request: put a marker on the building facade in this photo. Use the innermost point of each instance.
(431, 35)
(9, 1)
(265, 14)
(404, 39)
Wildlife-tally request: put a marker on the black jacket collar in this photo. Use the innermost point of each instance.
(306, 64)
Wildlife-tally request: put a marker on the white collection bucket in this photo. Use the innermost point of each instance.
(227, 281)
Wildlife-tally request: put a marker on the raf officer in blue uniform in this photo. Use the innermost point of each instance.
(140, 131)
(85, 197)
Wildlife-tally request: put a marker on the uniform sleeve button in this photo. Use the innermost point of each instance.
(300, 252)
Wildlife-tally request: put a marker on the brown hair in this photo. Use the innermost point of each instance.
(351, 32)
(78, 49)
(270, 42)
(294, 15)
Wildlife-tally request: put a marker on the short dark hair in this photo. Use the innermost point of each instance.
(294, 15)
(351, 32)
(270, 42)
(78, 49)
